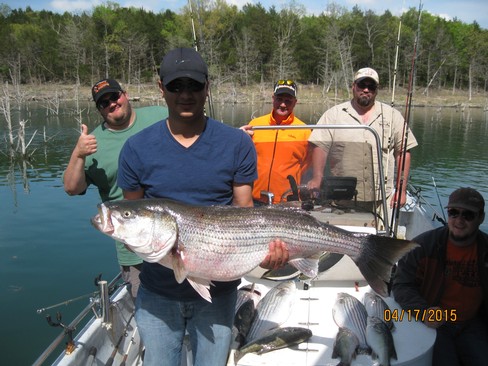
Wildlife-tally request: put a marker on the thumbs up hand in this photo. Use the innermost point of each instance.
(87, 144)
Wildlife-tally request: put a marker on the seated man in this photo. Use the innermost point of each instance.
(445, 282)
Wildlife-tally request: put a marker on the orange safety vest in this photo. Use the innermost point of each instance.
(280, 153)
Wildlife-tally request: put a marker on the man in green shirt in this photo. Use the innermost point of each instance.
(94, 159)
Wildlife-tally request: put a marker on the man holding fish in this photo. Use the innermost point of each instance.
(196, 160)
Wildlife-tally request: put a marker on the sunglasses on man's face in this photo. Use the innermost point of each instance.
(191, 86)
(364, 85)
(467, 215)
(113, 97)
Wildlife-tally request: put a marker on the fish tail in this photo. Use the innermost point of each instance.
(377, 257)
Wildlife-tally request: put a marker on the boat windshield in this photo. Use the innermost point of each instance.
(352, 191)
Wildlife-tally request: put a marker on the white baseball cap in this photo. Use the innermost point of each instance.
(367, 72)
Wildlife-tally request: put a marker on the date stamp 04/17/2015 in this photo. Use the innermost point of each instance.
(429, 315)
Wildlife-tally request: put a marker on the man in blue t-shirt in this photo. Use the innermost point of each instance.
(193, 159)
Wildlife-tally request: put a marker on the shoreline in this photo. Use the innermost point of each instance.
(259, 93)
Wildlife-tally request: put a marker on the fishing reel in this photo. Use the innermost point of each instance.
(299, 193)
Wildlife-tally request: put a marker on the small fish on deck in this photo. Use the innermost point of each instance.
(376, 306)
(273, 310)
(348, 312)
(380, 340)
(243, 320)
(274, 339)
(345, 346)
(247, 292)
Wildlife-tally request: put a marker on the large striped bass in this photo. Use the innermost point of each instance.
(224, 243)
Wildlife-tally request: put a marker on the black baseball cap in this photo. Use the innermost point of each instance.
(103, 87)
(467, 198)
(183, 63)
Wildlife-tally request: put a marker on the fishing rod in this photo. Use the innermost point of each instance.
(67, 302)
(195, 46)
(112, 286)
(408, 105)
(439, 199)
(395, 69)
(124, 334)
(195, 43)
(131, 342)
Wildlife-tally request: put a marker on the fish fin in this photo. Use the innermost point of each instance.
(178, 267)
(335, 352)
(237, 356)
(287, 272)
(308, 266)
(394, 354)
(377, 257)
(201, 286)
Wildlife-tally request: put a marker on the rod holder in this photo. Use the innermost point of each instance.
(104, 301)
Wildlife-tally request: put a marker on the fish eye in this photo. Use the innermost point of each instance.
(127, 214)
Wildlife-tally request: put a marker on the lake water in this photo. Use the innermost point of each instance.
(49, 253)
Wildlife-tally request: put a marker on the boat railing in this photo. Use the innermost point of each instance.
(98, 305)
(381, 178)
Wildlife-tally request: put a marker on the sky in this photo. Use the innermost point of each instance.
(465, 11)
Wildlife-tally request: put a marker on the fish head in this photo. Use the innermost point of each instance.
(149, 232)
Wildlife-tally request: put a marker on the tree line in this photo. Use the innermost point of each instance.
(243, 46)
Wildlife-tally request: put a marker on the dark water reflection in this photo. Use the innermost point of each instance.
(49, 252)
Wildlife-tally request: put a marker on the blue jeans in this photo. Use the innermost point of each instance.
(163, 323)
(457, 345)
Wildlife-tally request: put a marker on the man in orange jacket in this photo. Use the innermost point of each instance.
(281, 153)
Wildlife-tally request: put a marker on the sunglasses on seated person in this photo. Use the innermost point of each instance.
(467, 215)
(364, 84)
(112, 97)
(177, 86)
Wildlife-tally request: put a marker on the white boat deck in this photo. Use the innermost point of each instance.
(313, 310)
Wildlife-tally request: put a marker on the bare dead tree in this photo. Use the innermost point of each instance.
(248, 55)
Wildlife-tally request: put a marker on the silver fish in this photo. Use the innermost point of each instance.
(345, 346)
(348, 312)
(380, 340)
(275, 339)
(243, 320)
(376, 306)
(224, 243)
(273, 310)
(248, 292)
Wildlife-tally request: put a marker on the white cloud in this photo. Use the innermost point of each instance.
(72, 6)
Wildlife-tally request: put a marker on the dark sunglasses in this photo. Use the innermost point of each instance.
(467, 215)
(285, 82)
(179, 86)
(364, 85)
(113, 97)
